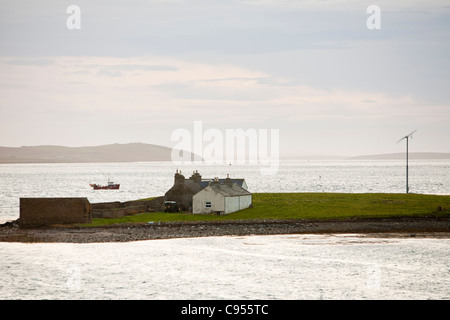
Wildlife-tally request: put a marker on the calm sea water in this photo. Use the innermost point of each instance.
(251, 267)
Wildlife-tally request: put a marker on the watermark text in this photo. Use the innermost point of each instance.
(235, 146)
(73, 21)
(374, 20)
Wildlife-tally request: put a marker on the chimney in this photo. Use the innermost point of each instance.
(215, 182)
(196, 176)
(179, 178)
(228, 181)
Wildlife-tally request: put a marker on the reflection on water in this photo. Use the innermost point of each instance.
(251, 267)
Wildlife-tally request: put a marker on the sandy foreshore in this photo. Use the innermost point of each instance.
(403, 227)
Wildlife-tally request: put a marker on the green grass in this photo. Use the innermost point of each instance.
(321, 206)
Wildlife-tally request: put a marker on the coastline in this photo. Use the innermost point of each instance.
(378, 227)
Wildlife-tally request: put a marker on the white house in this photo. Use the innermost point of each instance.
(221, 198)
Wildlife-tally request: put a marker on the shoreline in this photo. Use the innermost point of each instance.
(377, 227)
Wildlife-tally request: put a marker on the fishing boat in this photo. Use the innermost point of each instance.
(110, 186)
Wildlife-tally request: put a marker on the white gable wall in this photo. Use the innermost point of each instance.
(219, 203)
(208, 195)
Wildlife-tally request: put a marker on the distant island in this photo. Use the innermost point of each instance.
(131, 152)
(142, 152)
(399, 156)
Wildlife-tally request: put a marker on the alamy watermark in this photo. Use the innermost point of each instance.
(373, 280)
(373, 22)
(235, 146)
(73, 22)
(73, 278)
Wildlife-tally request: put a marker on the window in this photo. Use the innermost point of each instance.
(207, 204)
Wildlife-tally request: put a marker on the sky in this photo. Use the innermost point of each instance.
(136, 71)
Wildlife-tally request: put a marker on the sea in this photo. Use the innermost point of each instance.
(272, 267)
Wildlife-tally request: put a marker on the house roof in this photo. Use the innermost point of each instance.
(205, 182)
(228, 191)
(194, 186)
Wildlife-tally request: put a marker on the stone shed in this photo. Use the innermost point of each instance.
(183, 190)
(37, 212)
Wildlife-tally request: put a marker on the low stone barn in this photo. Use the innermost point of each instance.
(184, 190)
(221, 198)
(37, 212)
(118, 209)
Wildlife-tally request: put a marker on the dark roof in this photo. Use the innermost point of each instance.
(205, 182)
(194, 186)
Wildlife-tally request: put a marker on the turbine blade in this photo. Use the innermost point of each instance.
(407, 136)
(401, 139)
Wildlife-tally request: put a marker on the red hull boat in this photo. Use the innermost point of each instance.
(111, 186)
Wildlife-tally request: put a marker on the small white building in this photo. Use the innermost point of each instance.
(221, 198)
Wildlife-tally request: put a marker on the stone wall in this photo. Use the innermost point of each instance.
(37, 212)
(120, 209)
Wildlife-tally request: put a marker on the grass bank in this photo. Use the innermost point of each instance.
(311, 206)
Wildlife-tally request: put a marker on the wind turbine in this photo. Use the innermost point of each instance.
(407, 138)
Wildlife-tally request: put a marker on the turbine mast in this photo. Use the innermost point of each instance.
(407, 140)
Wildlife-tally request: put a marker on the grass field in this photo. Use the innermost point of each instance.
(322, 206)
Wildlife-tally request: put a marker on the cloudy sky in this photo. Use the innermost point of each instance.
(138, 70)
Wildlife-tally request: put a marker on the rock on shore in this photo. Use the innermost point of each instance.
(146, 231)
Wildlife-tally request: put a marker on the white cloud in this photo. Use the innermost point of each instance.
(156, 89)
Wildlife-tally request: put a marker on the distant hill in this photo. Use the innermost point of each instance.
(135, 152)
(411, 155)
(131, 152)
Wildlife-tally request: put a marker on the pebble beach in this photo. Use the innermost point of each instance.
(411, 227)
